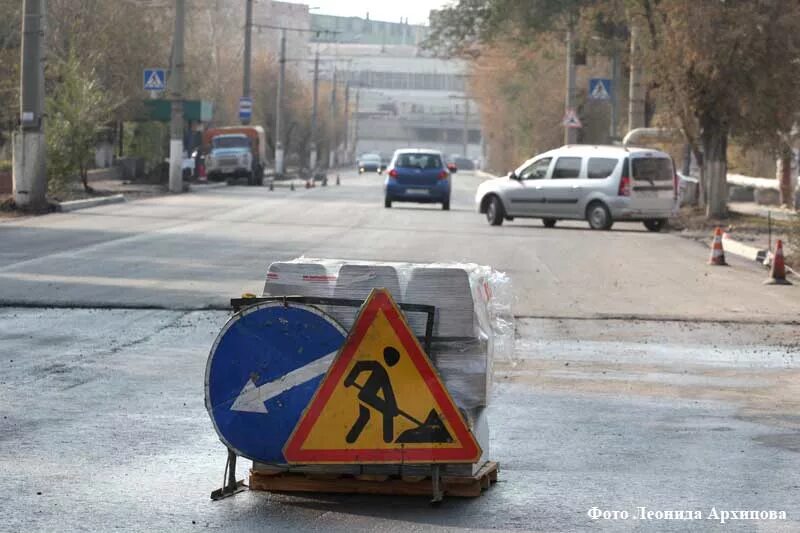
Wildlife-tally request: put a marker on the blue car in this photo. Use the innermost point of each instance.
(416, 175)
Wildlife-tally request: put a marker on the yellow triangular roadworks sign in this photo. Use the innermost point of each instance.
(381, 401)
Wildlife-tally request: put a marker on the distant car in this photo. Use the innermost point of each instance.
(417, 175)
(463, 163)
(599, 184)
(369, 163)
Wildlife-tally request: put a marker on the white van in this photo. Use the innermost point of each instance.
(599, 184)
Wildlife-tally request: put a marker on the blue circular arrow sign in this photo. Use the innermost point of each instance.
(263, 370)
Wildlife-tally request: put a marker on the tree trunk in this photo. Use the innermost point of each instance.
(784, 175)
(715, 168)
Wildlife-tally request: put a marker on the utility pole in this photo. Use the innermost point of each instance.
(176, 82)
(248, 52)
(570, 134)
(29, 167)
(355, 123)
(465, 132)
(279, 114)
(636, 99)
(614, 94)
(332, 150)
(347, 120)
(314, 137)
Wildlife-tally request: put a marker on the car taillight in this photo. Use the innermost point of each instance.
(443, 175)
(393, 173)
(624, 186)
(675, 185)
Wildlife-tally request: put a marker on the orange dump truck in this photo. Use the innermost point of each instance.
(235, 152)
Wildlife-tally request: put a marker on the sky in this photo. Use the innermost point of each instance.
(389, 10)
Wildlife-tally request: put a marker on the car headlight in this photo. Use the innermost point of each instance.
(244, 159)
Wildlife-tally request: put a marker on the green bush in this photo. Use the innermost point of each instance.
(77, 109)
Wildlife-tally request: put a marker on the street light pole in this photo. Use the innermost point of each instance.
(314, 137)
(332, 148)
(29, 167)
(176, 123)
(279, 114)
(248, 52)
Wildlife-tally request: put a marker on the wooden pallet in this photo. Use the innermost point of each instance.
(465, 487)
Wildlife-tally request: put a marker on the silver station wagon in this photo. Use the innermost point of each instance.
(599, 184)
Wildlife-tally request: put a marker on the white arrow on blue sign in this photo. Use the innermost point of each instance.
(245, 108)
(262, 372)
(600, 89)
(155, 79)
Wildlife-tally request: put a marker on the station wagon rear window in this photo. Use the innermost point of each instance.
(599, 168)
(652, 169)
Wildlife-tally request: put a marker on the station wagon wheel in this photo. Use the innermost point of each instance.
(598, 216)
(494, 211)
(655, 225)
(549, 222)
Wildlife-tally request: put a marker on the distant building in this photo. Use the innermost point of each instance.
(269, 15)
(366, 31)
(405, 97)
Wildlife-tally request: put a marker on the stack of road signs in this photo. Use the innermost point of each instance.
(468, 330)
(473, 326)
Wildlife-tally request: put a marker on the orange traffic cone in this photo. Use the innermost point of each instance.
(717, 253)
(777, 274)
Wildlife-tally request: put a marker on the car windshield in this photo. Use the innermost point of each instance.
(231, 141)
(371, 158)
(419, 160)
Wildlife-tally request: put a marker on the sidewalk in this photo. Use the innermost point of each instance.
(764, 211)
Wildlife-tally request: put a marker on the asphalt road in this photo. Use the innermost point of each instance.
(103, 427)
(196, 251)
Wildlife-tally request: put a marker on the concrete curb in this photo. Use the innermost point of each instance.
(74, 205)
(743, 250)
(197, 187)
(762, 257)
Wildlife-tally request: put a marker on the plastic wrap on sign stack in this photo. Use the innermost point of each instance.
(473, 324)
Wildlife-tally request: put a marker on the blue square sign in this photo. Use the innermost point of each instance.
(245, 108)
(155, 79)
(600, 89)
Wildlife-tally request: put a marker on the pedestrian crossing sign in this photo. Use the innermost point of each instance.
(381, 401)
(155, 79)
(600, 89)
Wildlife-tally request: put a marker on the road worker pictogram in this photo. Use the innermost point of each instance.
(381, 401)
